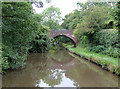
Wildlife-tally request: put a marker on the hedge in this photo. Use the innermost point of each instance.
(106, 37)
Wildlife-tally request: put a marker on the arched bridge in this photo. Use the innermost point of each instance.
(67, 33)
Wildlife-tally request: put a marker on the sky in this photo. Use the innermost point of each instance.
(66, 6)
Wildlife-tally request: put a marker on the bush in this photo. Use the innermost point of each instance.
(12, 58)
(3, 62)
(84, 41)
(112, 51)
(41, 43)
(107, 37)
(104, 42)
(97, 49)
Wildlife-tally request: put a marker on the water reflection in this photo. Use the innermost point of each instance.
(60, 56)
(57, 79)
(59, 69)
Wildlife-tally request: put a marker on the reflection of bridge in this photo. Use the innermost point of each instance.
(69, 65)
(67, 33)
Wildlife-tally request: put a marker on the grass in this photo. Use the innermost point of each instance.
(105, 61)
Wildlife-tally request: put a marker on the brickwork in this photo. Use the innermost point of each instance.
(67, 33)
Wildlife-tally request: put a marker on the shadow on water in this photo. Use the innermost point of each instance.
(59, 69)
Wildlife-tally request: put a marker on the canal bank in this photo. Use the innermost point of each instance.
(105, 62)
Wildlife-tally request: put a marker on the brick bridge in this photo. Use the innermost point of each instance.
(67, 33)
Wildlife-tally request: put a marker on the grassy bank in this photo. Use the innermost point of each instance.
(104, 61)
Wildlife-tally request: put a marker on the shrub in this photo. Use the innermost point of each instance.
(104, 42)
(112, 51)
(3, 62)
(41, 43)
(97, 49)
(107, 37)
(83, 40)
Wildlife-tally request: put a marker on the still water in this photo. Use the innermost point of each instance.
(59, 69)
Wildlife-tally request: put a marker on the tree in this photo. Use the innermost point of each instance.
(85, 6)
(93, 20)
(71, 20)
(41, 43)
(20, 27)
(52, 17)
(18, 30)
(66, 22)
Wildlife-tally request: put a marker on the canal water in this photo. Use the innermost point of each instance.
(58, 69)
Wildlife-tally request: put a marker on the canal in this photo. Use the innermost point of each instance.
(58, 69)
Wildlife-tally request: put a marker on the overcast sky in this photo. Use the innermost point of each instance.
(66, 6)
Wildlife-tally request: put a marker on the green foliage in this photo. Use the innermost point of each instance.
(41, 43)
(52, 25)
(97, 49)
(3, 62)
(20, 27)
(71, 20)
(52, 17)
(84, 41)
(92, 21)
(104, 60)
(85, 6)
(112, 51)
(93, 17)
(58, 42)
(38, 18)
(116, 13)
(110, 24)
(107, 37)
(104, 42)
(52, 13)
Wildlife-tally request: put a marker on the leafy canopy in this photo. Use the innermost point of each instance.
(93, 20)
(20, 27)
(52, 17)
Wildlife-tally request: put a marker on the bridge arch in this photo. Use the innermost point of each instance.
(66, 33)
(66, 37)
